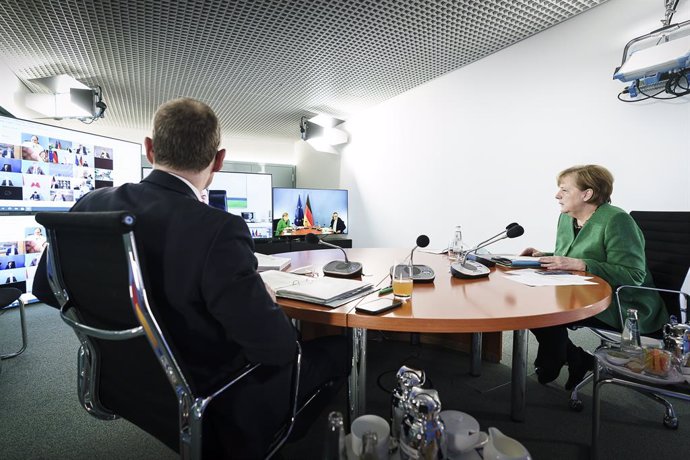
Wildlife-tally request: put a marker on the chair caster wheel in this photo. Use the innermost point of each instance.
(671, 422)
(577, 406)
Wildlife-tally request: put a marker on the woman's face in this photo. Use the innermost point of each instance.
(571, 198)
(285, 217)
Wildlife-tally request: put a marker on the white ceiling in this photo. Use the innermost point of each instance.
(261, 64)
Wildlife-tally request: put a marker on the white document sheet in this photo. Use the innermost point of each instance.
(531, 277)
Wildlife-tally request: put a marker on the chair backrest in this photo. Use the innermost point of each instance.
(667, 248)
(93, 269)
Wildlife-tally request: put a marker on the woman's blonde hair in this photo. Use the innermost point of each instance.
(593, 177)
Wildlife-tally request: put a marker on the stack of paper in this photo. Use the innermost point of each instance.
(532, 277)
(271, 262)
(331, 292)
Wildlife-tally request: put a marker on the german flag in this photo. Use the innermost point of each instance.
(308, 218)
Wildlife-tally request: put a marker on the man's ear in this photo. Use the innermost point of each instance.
(218, 160)
(148, 146)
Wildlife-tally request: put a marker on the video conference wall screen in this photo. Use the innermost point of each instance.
(247, 195)
(322, 204)
(47, 168)
(22, 241)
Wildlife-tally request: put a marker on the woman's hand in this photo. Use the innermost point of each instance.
(532, 252)
(562, 263)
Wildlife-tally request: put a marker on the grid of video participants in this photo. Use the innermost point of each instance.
(52, 170)
(22, 242)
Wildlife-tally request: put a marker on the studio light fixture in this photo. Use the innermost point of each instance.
(67, 97)
(321, 133)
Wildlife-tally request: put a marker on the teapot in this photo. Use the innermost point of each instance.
(407, 379)
(676, 337)
(502, 447)
(422, 432)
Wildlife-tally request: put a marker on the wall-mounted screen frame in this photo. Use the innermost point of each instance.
(48, 168)
(320, 204)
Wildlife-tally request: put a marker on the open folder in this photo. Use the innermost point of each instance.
(513, 261)
(331, 292)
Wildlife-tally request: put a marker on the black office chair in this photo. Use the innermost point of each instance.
(94, 272)
(667, 249)
(8, 297)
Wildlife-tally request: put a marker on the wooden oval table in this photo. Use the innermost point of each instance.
(448, 305)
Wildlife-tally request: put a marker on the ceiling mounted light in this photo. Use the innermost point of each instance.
(67, 98)
(321, 133)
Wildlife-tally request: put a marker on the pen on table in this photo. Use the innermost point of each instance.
(386, 290)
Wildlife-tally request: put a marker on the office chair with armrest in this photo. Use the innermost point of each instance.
(605, 374)
(8, 296)
(667, 250)
(126, 366)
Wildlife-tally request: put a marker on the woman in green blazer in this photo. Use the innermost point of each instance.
(604, 240)
(283, 223)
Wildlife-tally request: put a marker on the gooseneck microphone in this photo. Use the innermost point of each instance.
(471, 269)
(420, 273)
(337, 268)
(508, 227)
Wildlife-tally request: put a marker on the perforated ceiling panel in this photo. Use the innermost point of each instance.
(261, 64)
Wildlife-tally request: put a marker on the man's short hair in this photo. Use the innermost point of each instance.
(186, 135)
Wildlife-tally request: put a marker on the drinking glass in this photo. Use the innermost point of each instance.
(402, 280)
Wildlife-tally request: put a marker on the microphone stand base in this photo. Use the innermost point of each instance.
(341, 269)
(420, 273)
(469, 270)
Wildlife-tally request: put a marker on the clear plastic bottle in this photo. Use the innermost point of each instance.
(630, 337)
(456, 246)
(334, 447)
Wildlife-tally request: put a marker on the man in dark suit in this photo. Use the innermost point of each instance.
(216, 309)
(337, 223)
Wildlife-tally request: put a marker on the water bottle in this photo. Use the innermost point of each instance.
(630, 337)
(407, 379)
(456, 245)
(334, 448)
(422, 434)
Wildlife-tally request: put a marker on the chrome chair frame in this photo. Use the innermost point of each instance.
(609, 337)
(22, 323)
(191, 408)
(650, 390)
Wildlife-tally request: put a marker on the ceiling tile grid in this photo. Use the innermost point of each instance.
(261, 64)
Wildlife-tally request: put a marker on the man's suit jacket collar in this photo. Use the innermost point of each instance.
(170, 182)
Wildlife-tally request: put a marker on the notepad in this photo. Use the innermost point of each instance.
(271, 262)
(331, 292)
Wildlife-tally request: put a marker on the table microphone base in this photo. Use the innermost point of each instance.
(469, 269)
(420, 273)
(342, 269)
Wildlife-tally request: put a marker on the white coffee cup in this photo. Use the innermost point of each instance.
(370, 424)
(462, 430)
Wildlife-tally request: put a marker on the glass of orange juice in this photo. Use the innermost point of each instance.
(402, 280)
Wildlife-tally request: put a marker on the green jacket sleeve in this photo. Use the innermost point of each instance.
(624, 261)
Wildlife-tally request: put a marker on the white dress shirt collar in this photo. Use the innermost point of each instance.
(189, 184)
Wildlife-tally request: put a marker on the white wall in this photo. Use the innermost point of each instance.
(482, 146)
(316, 169)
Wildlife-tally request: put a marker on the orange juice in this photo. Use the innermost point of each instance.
(402, 287)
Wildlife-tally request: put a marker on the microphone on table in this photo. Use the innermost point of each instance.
(464, 268)
(337, 268)
(420, 273)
